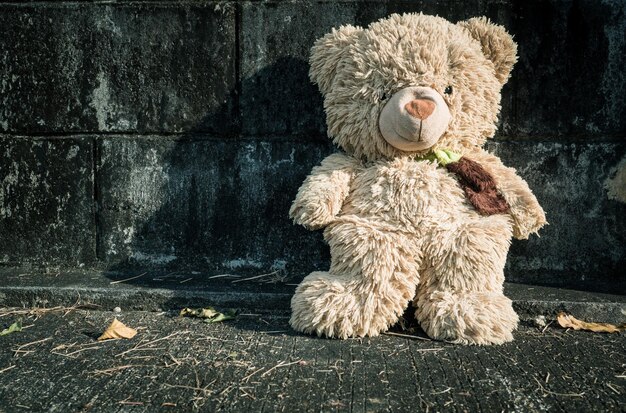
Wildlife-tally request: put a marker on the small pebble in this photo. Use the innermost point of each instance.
(540, 321)
(117, 310)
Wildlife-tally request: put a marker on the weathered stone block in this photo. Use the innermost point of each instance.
(585, 241)
(277, 95)
(570, 79)
(128, 67)
(46, 202)
(207, 205)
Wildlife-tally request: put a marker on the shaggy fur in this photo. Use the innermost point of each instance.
(400, 228)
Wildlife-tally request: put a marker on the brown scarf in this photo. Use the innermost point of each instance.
(477, 183)
(479, 186)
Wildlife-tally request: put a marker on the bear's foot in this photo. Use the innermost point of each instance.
(341, 307)
(467, 317)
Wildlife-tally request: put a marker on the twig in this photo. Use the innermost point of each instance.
(443, 391)
(16, 353)
(245, 393)
(147, 349)
(176, 362)
(209, 338)
(255, 277)
(7, 368)
(34, 342)
(128, 279)
(185, 280)
(558, 394)
(41, 311)
(64, 346)
(141, 357)
(141, 346)
(281, 364)
(546, 327)
(610, 386)
(125, 402)
(21, 347)
(251, 374)
(389, 333)
(204, 389)
(112, 370)
(77, 351)
(224, 275)
(227, 389)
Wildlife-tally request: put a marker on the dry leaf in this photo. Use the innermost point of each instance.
(117, 329)
(568, 321)
(209, 314)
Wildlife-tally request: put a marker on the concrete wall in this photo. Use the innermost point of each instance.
(173, 135)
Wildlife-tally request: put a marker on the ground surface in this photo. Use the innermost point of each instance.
(256, 363)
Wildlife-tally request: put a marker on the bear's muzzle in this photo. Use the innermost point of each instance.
(414, 119)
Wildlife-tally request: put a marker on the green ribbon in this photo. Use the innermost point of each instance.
(442, 156)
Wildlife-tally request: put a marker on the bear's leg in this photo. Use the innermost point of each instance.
(371, 280)
(460, 297)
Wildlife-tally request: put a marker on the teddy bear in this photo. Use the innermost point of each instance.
(413, 208)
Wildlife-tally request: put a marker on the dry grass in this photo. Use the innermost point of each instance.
(71, 350)
(20, 350)
(128, 279)
(412, 337)
(112, 370)
(37, 312)
(145, 345)
(273, 277)
(7, 368)
(546, 391)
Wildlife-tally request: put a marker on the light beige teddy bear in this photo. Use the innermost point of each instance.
(413, 208)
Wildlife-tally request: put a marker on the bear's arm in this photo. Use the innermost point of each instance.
(321, 196)
(528, 216)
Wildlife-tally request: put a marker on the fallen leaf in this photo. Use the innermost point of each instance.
(117, 329)
(13, 328)
(209, 314)
(569, 321)
(228, 315)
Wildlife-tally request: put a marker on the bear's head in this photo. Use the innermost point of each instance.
(411, 83)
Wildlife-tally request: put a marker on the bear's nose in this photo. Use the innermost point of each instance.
(420, 108)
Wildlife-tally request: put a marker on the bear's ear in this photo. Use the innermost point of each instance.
(497, 44)
(327, 52)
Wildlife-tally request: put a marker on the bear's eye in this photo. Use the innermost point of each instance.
(382, 95)
(448, 90)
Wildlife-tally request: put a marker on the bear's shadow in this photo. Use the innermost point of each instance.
(223, 195)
